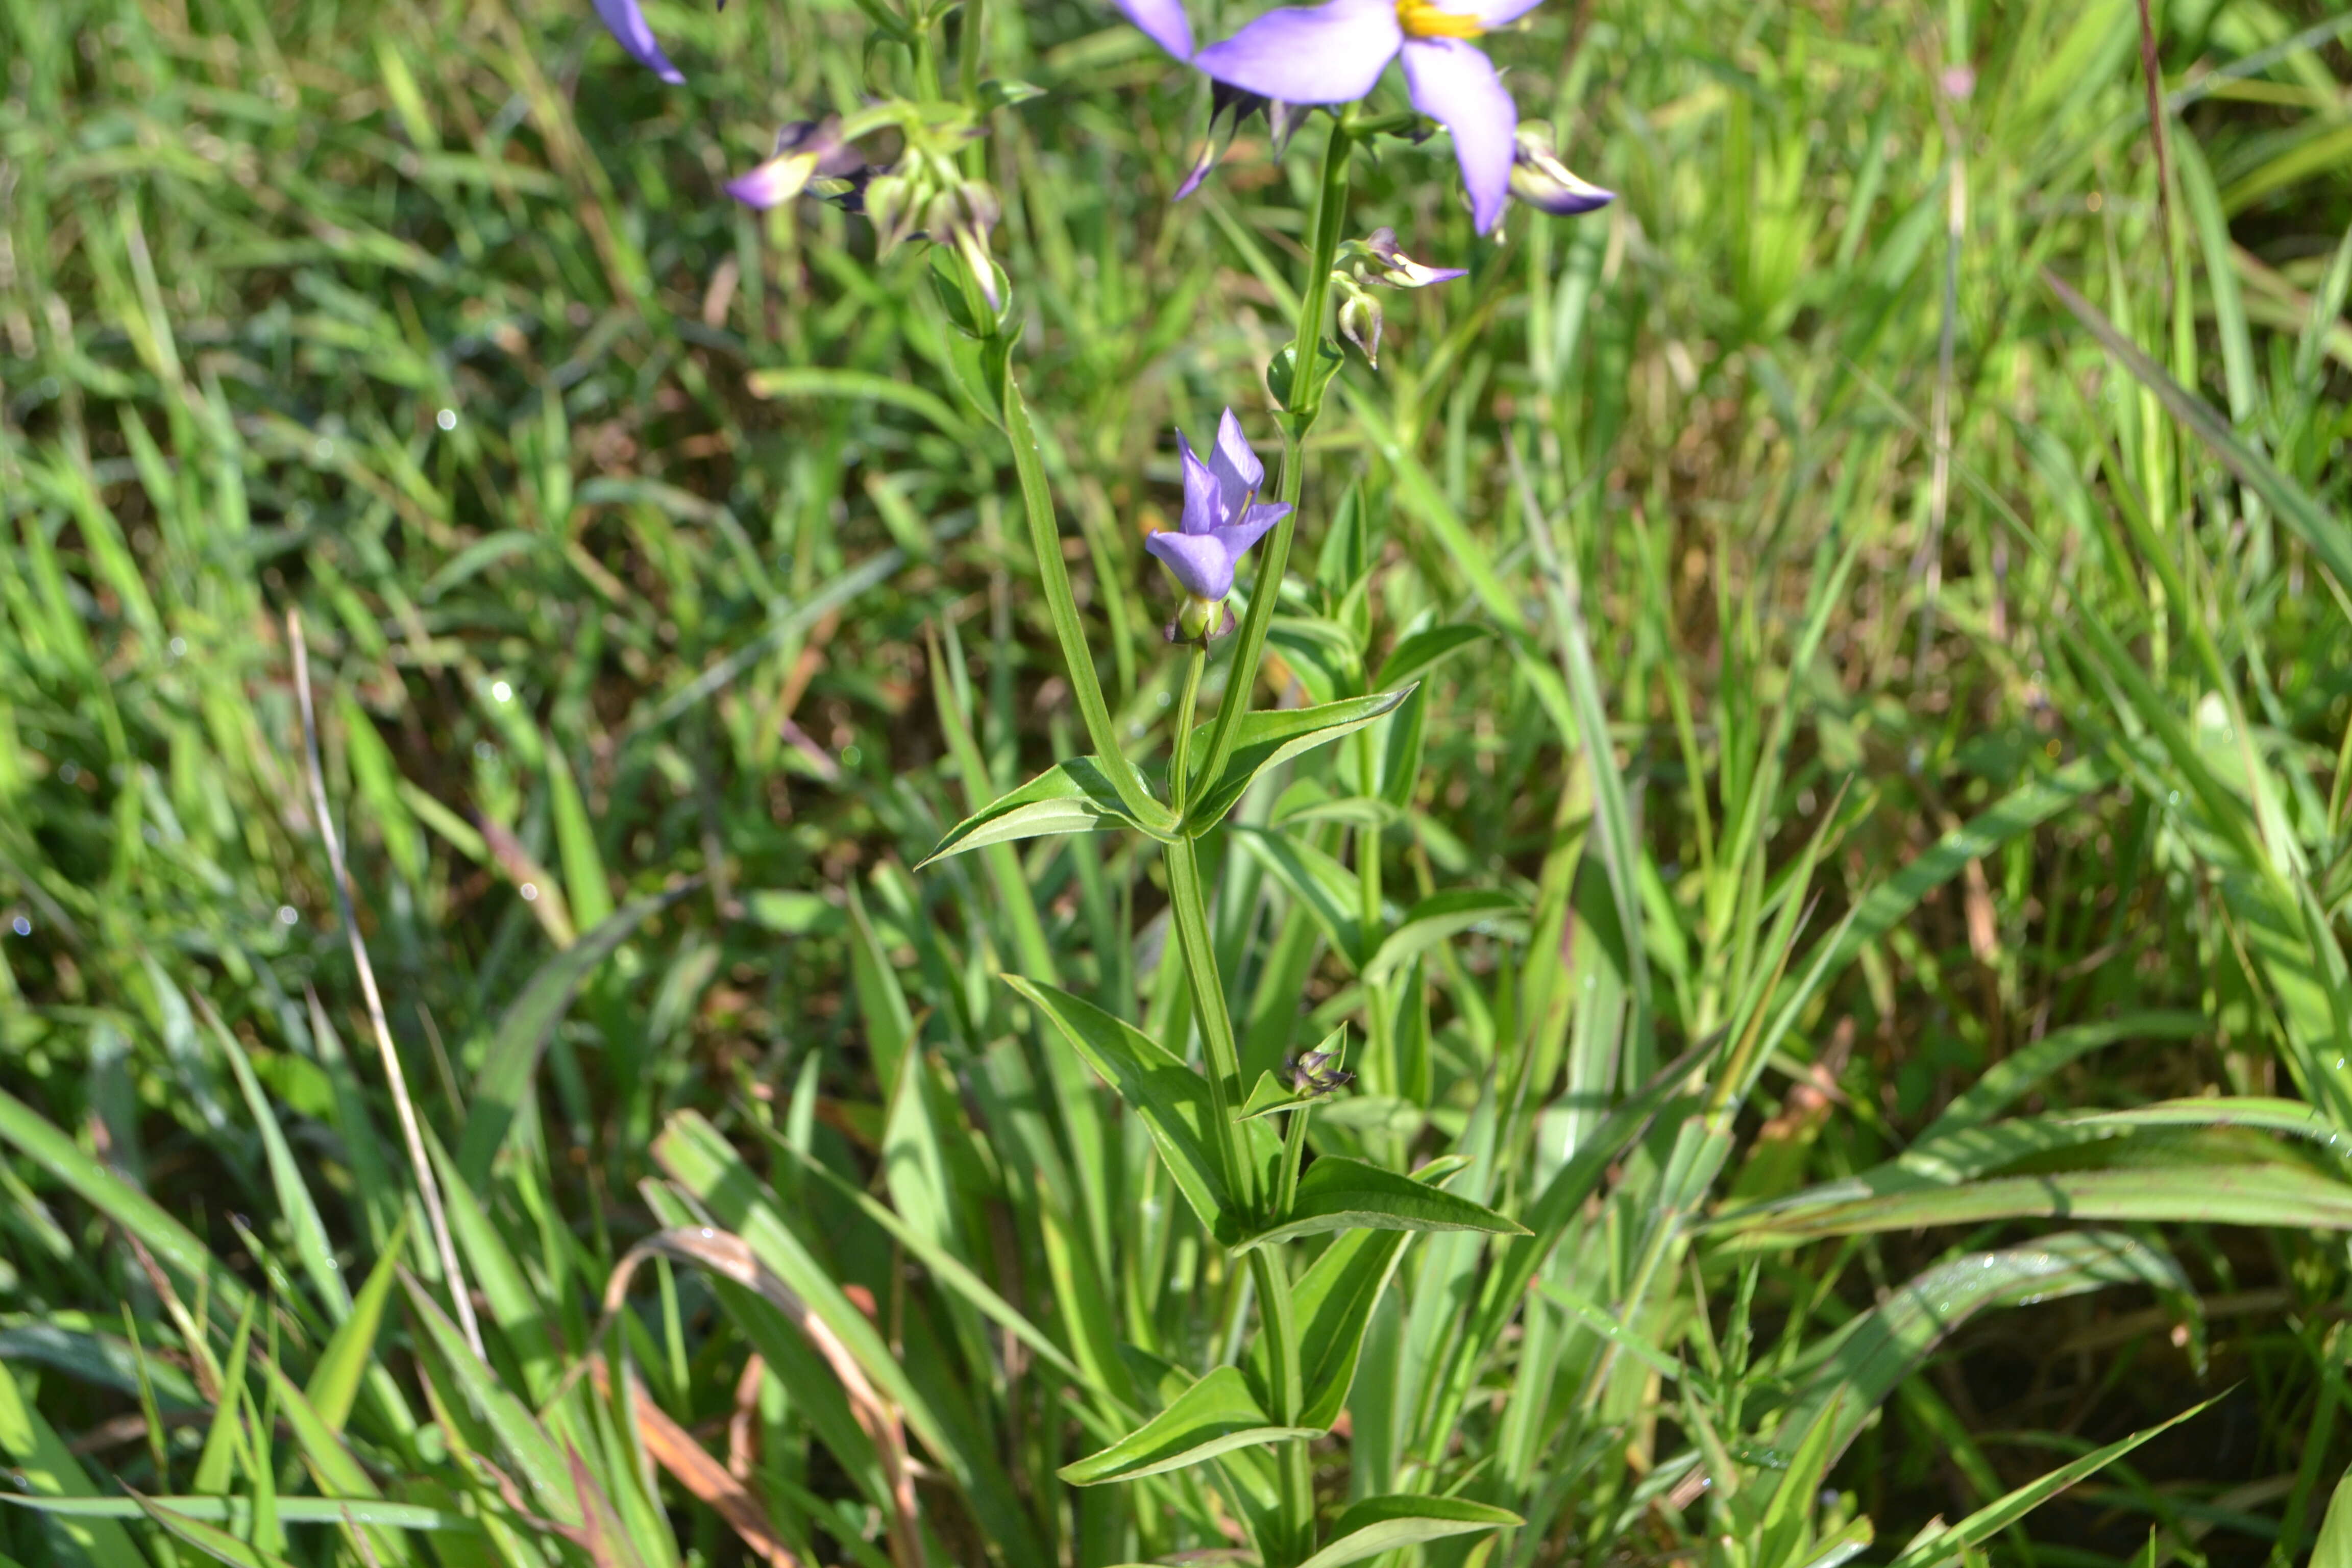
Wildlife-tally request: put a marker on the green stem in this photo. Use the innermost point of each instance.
(1280, 1322)
(1045, 542)
(1306, 401)
(971, 44)
(1188, 906)
(1180, 773)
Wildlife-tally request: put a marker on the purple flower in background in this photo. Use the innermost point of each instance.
(808, 151)
(1334, 53)
(628, 24)
(1223, 516)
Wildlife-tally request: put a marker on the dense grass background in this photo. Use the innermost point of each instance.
(650, 550)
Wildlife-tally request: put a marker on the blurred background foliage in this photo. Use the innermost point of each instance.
(666, 601)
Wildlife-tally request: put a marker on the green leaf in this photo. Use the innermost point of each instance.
(1269, 1095)
(1381, 1524)
(1333, 1303)
(1339, 1193)
(529, 1025)
(119, 1201)
(1075, 797)
(1326, 889)
(1416, 656)
(46, 1467)
(527, 1450)
(1263, 739)
(2321, 529)
(1172, 1099)
(236, 1512)
(1995, 1517)
(2015, 1076)
(2335, 1547)
(1440, 916)
(2291, 1196)
(1213, 1417)
(209, 1539)
(295, 1204)
(1860, 1365)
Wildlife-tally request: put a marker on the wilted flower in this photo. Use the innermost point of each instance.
(1360, 318)
(807, 151)
(1391, 265)
(963, 215)
(628, 24)
(1539, 179)
(1223, 518)
(1317, 1073)
(1334, 53)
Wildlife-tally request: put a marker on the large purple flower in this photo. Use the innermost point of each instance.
(1334, 53)
(1223, 516)
(628, 24)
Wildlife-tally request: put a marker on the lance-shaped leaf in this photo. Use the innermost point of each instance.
(1440, 916)
(1381, 1524)
(1263, 739)
(1332, 1304)
(1172, 1099)
(1339, 1193)
(1215, 1416)
(1075, 797)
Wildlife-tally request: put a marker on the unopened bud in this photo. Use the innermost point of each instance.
(1360, 318)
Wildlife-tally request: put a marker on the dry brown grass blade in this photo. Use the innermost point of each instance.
(675, 1450)
(730, 1255)
(742, 1423)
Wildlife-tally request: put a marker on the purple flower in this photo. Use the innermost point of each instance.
(1163, 21)
(1334, 53)
(807, 151)
(628, 24)
(1223, 516)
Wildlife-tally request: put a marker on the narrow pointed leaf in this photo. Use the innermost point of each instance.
(1263, 739)
(1171, 1098)
(1381, 1524)
(1215, 1416)
(1075, 797)
(1424, 651)
(1338, 1193)
(1440, 916)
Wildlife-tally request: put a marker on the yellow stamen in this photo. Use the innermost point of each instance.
(1426, 19)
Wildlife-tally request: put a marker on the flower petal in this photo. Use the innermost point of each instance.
(1205, 493)
(774, 182)
(628, 24)
(1328, 53)
(1236, 540)
(1501, 13)
(1163, 22)
(1200, 563)
(1239, 473)
(1456, 85)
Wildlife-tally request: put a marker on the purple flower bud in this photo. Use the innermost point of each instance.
(1394, 268)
